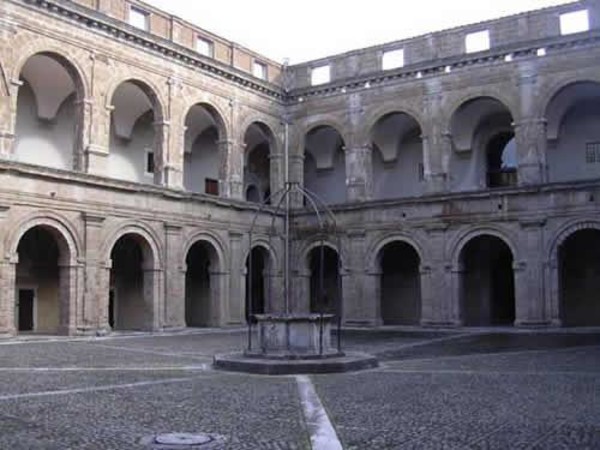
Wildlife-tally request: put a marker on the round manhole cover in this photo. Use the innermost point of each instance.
(183, 439)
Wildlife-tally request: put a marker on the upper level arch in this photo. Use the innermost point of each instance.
(260, 145)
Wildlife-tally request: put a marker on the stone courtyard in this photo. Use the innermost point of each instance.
(484, 388)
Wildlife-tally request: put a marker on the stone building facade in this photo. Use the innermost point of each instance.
(462, 167)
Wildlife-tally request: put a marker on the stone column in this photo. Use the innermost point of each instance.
(174, 136)
(153, 298)
(371, 289)
(359, 173)
(219, 308)
(359, 307)
(68, 298)
(174, 314)
(7, 295)
(530, 136)
(102, 294)
(9, 120)
(237, 286)
(552, 291)
(451, 310)
(96, 145)
(296, 162)
(88, 316)
(231, 171)
(165, 174)
(437, 141)
(530, 308)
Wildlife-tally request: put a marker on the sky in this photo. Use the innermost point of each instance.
(310, 29)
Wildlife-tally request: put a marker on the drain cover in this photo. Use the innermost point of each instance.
(183, 439)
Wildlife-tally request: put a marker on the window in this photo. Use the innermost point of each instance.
(574, 22)
(204, 46)
(320, 75)
(392, 59)
(592, 153)
(149, 162)
(211, 186)
(139, 18)
(259, 70)
(477, 42)
(541, 52)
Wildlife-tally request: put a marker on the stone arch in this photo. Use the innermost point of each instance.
(329, 122)
(260, 166)
(374, 116)
(375, 248)
(398, 268)
(326, 295)
(458, 243)
(135, 228)
(573, 285)
(149, 88)
(60, 295)
(52, 220)
(216, 111)
(205, 280)
(4, 90)
(550, 92)
(268, 247)
(510, 103)
(315, 243)
(566, 231)
(70, 64)
(210, 238)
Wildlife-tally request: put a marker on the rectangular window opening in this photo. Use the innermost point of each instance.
(320, 75)
(204, 46)
(592, 153)
(574, 22)
(149, 162)
(259, 70)
(392, 59)
(477, 42)
(211, 186)
(139, 18)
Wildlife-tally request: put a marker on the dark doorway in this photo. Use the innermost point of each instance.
(325, 281)
(400, 285)
(111, 308)
(579, 279)
(488, 291)
(198, 296)
(26, 310)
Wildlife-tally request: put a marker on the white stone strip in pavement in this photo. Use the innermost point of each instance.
(322, 433)
(150, 352)
(490, 372)
(575, 348)
(109, 387)
(200, 367)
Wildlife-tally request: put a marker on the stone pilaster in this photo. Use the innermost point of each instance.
(174, 315)
(359, 173)
(530, 307)
(8, 274)
(231, 170)
(165, 174)
(359, 307)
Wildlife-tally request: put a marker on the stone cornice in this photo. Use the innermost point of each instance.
(446, 66)
(123, 32)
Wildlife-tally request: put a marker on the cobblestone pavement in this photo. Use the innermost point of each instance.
(433, 390)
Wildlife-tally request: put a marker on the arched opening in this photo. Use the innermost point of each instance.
(397, 157)
(484, 153)
(257, 173)
(134, 142)
(257, 282)
(579, 278)
(573, 148)
(487, 282)
(325, 164)
(131, 294)
(201, 285)
(502, 161)
(400, 287)
(201, 156)
(325, 280)
(49, 116)
(42, 285)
